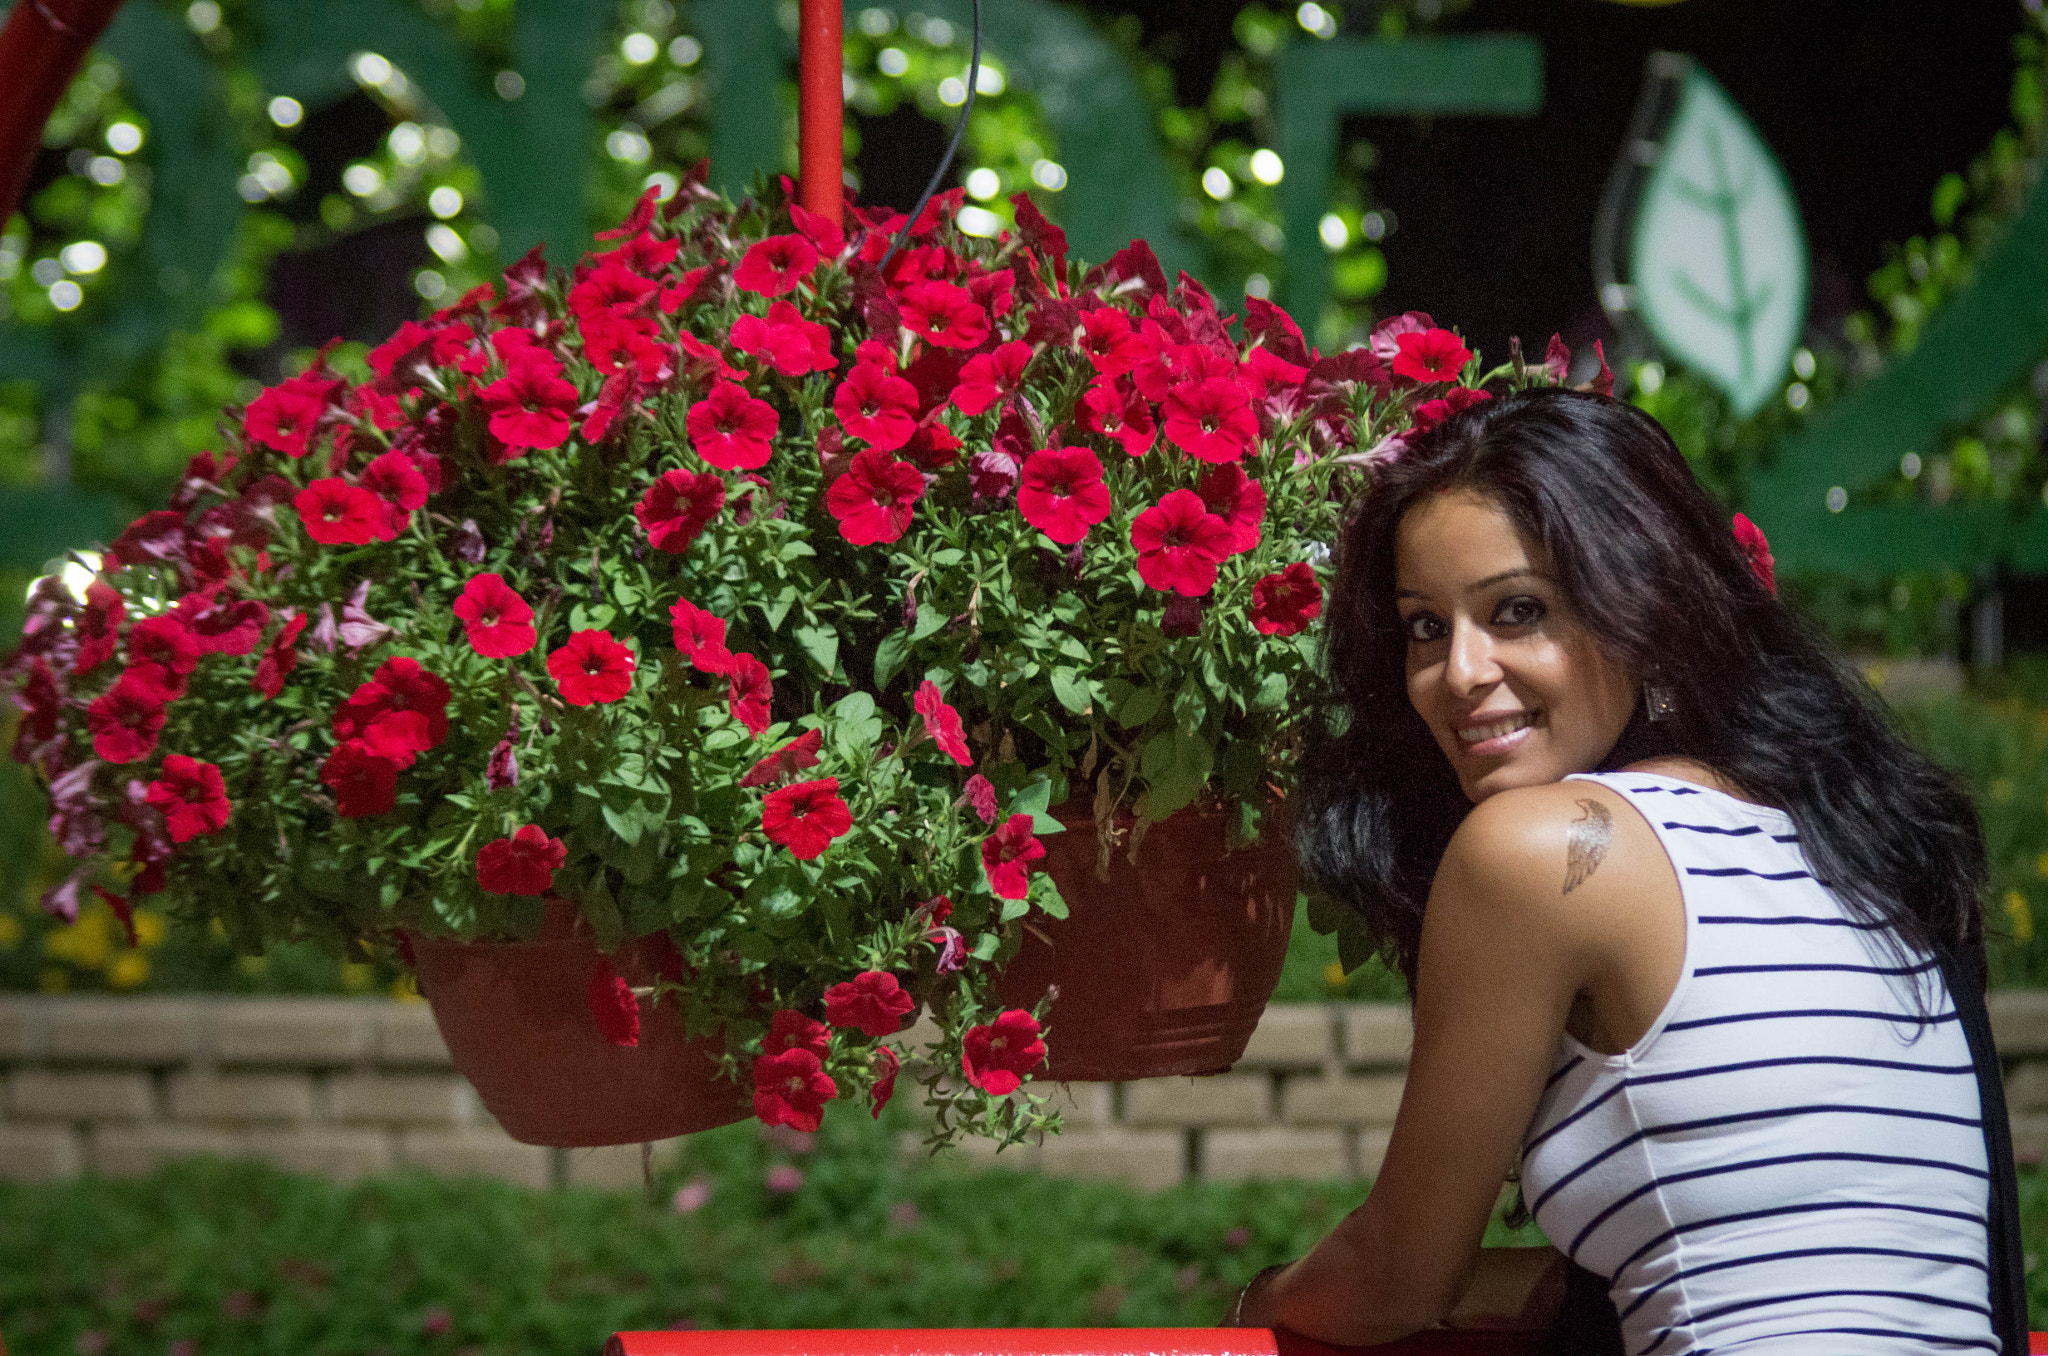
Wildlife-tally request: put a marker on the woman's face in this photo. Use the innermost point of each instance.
(1511, 683)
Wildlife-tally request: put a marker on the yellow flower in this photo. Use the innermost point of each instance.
(130, 970)
(1333, 975)
(149, 929)
(2001, 789)
(2022, 916)
(216, 930)
(253, 966)
(53, 979)
(84, 943)
(2041, 865)
(10, 932)
(357, 978)
(405, 990)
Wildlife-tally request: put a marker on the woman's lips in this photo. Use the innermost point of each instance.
(1496, 737)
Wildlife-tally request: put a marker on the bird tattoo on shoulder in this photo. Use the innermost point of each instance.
(1586, 841)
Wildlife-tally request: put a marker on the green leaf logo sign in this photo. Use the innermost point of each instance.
(1718, 256)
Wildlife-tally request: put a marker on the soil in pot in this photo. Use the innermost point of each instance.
(1166, 966)
(516, 1018)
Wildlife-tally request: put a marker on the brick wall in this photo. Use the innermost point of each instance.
(351, 1087)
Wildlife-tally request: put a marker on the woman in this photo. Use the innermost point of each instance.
(1668, 891)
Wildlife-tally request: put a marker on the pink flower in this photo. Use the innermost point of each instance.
(400, 712)
(806, 817)
(1119, 412)
(191, 796)
(1285, 603)
(1006, 857)
(498, 621)
(1179, 544)
(876, 405)
(785, 340)
(126, 720)
(524, 864)
(776, 265)
(1240, 502)
(947, 315)
(990, 377)
(1757, 551)
(789, 1029)
(885, 1082)
(1431, 355)
(395, 479)
(791, 1089)
(700, 636)
(678, 506)
(336, 513)
(97, 626)
(730, 429)
(980, 793)
(612, 1005)
(872, 1001)
(279, 657)
(1430, 413)
(1211, 420)
(165, 647)
(1060, 492)
(285, 416)
(942, 723)
(996, 1057)
(748, 692)
(364, 783)
(531, 405)
(787, 761)
(592, 668)
(874, 499)
(1111, 342)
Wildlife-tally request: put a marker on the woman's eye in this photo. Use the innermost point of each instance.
(1521, 611)
(1423, 628)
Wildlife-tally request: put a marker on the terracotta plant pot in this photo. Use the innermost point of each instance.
(1164, 967)
(517, 1022)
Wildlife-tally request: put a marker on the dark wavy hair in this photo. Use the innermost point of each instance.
(1649, 565)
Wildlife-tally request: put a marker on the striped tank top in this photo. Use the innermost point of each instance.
(1791, 1158)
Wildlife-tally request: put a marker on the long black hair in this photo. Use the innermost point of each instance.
(1649, 565)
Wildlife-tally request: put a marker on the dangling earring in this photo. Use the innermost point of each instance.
(1658, 701)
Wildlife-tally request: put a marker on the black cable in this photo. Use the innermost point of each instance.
(952, 147)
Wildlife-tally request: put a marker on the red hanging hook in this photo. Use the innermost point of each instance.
(41, 47)
(821, 107)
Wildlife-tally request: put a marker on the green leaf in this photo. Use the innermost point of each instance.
(602, 912)
(1045, 892)
(626, 823)
(774, 612)
(1353, 948)
(1190, 705)
(929, 620)
(1072, 690)
(821, 643)
(1139, 708)
(1034, 799)
(1015, 908)
(781, 892)
(1272, 692)
(1718, 257)
(796, 549)
(1175, 765)
(1325, 915)
(889, 657)
(724, 737)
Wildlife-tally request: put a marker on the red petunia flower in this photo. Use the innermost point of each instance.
(166, 648)
(400, 712)
(874, 499)
(126, 719)
(336, 513)
(947, 315)
(730, 429)
(364, 783)
(279, 657)
(872, 1001)
(1060, 492)
(531, 405)
(791, 1089)
(1119, 412)
(702, 359)
(787, 761)
(1430, 413)
(995, 1057)
(989, 377)
(776, 265)
(191, 796)
(612, 1005)
(805, 817)
(611, 287)
(700, 636)
(222, 625)
(96, 627)
(592, 667)
(498, 622)
(1180, 544)
(1211, 420)
(789, 1029)
(942, 723)
(1238, 500)
(1286, 602)
(524, 864)
(1111, 341)
(1006, 857)
(678, 507)
(785, 341)
(286, 415)
(877, 406)
(748, 692)
(885, 1082)
(1757, 551)
(1429, 355)
(395, 478)
(980, 793)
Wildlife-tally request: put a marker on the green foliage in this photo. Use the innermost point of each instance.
(245, 1260)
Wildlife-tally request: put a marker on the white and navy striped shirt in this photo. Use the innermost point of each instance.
(1791, 1158)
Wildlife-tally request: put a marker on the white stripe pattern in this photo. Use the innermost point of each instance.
(1790, 1159)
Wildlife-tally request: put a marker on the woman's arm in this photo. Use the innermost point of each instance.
(1504, 952)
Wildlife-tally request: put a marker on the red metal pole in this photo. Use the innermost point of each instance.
(41, 47)
(821, 107)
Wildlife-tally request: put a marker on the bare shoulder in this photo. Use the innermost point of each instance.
(1567, 849)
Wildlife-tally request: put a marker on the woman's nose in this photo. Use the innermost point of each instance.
(1470, 665)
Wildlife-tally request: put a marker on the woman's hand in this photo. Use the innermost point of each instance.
(1253, 1306)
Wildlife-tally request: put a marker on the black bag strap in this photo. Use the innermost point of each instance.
(2007, 1256)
